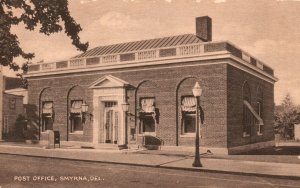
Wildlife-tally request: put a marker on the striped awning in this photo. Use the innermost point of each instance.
(188, 104)
(47, 107)
(76, 106)
(148, 105)
(254, 113)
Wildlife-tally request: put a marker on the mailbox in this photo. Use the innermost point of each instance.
(56, 138)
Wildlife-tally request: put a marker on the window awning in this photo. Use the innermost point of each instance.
(148, 105)
(76, 106)
(47, 108)
(188, 104)
(255, 114)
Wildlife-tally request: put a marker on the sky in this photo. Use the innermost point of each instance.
(267, 29)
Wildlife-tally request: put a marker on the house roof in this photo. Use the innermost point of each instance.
(12, 83)
(142, 45)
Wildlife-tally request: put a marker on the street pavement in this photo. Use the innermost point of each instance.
(162, 159)
(27, 172)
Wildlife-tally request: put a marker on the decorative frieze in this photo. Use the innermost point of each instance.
(47, 66)
(109, 59)
(148, 55)
(77, 62)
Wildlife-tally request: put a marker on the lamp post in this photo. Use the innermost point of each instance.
(197, 91)
(125, 107)
(84, 107)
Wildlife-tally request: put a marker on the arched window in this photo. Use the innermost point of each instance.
(147, 115)
(259, 108)
(76, 116)
(188, 110)
(47, 115)
(247, 116)
(146, 108)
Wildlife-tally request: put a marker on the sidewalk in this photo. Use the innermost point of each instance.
(159, 159)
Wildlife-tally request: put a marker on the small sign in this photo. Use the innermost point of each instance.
(12, 103)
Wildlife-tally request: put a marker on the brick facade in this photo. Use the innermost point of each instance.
(235, 80)
(160, 83)
(221, 101)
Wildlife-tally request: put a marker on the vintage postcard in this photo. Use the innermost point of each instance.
(149, 93)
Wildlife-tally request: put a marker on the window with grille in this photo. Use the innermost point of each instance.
(47, 115)
(247, 116)
(188, 111)
(252, 115)
(147, 115)
(76, 116)
(259, 109)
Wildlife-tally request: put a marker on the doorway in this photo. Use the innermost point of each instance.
(111, 122)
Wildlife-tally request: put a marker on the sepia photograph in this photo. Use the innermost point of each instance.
(149, 93)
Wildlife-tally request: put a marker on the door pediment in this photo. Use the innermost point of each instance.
(108, 81)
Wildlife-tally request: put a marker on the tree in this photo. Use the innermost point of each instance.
(286, 116)
(49, 15)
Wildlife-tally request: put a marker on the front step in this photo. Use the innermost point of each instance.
(89, 145)
(106, 146)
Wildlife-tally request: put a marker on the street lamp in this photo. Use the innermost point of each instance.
(84, 107)
(125, 107)
(197, 91)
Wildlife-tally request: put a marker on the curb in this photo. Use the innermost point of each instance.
(232, 172)
(167, 167)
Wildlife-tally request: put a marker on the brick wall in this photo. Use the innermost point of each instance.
(167, 84)
(235, 81)
(57, 92)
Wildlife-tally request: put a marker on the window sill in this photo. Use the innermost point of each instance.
(77, 132)
(245, 135)
(45, 131)
(188, 135)
(259, 134)
(148, 134)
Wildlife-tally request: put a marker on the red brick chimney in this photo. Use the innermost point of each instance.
(204, 28)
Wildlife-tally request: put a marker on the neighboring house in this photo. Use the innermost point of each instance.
(155, 77)
(13, 122)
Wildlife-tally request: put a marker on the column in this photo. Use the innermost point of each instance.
(96, 119)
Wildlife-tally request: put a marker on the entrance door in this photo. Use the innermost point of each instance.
(111, 122)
